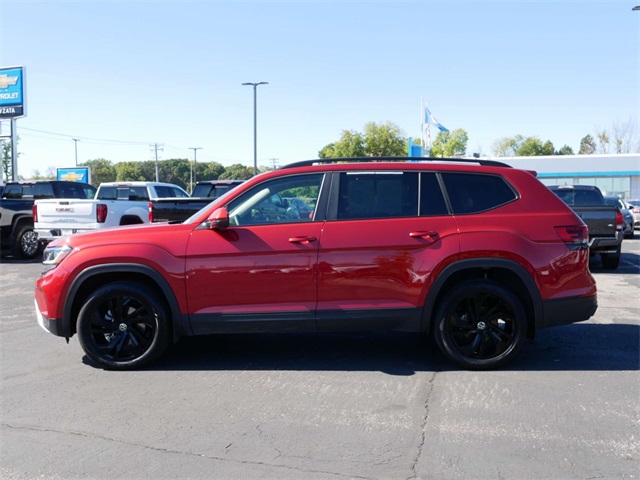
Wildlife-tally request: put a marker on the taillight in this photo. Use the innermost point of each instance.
(150, 212)
(34, 213)
(101, 213)
(619, 220)
(576, 237)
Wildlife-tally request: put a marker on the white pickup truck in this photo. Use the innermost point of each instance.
(115, 204)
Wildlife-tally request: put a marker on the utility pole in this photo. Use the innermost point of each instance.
(76, 140)
(255, 123)
(194, 169)
(274, 163)
(155, 147)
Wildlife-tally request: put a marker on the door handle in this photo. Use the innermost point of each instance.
(303, 240)
(420, 234)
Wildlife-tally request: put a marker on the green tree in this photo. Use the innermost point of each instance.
(603, 141)
(507, 146)
(236, 172)
(533, 146)
(565, 150)
(587, 146)
(209, 170)
(7, 164)
(102, 170)
(385, 140)
(133, 172)
(351, 144)
(450, 144)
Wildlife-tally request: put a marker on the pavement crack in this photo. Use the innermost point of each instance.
(423, 427)
(178, 452)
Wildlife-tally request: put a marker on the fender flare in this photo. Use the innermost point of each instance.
(480, 263)
(181, 326)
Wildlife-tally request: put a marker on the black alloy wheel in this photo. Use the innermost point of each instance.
(480, 325)
(123, 326)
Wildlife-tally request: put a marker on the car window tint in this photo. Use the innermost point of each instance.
(266, 204)
(431, 198)
(377, 195)
(45, 190)
(139, 193)
(473, 193)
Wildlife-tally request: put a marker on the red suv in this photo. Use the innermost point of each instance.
(475, 252)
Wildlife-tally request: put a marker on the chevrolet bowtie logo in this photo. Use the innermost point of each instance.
(6, 80)
(71, 177)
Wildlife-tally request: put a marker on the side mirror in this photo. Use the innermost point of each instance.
(219, 219)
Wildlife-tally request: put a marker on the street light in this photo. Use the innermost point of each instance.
(76, 140)
(255, 124)
(194, 171)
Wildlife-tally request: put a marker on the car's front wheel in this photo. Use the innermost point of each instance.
(480, 325)
(123, 325)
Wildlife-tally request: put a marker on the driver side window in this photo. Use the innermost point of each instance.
(272, 202)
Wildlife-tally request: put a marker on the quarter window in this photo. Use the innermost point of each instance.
(473, 193)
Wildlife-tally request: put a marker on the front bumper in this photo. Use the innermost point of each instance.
(50, 325)
(568, 310)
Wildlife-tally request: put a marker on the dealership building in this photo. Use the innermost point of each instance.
(614, 174)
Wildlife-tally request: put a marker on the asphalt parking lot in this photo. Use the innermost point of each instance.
(362, 406)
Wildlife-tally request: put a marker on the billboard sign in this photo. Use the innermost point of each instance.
(77, 174)
(12, 97)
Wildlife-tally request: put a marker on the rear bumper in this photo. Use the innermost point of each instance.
(606, 244)
(568, 310)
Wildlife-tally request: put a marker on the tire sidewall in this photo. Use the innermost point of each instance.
(450, 302)
(140, 293)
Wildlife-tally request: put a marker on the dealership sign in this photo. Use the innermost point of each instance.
(12, 101)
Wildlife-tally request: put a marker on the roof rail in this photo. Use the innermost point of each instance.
(477, 161)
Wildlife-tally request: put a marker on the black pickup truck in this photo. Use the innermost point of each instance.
(16, 206)
(605, 222)
(179, 209)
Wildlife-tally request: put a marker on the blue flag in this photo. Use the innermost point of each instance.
(429, 118)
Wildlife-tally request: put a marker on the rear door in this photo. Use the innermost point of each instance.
(387, 233)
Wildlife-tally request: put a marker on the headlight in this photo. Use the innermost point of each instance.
(52, 256)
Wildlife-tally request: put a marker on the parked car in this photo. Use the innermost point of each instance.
(476, 253)
(303, 208)
(627, 217)
(115, 204)
(179, 209)
(17, 235)
(634, 207)
(604, 222)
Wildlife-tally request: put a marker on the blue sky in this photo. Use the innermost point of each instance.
(120, 75)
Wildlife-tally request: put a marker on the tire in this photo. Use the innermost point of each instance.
(610, 261)
(480, 325)
(26, 245)
(123, 326)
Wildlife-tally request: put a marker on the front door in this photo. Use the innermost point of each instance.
(260, 273)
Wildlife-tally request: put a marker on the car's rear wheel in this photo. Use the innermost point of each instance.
(480, 325)
(610, 261)
(123, 325)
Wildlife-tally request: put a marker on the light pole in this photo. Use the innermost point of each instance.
(194, 171)
(76, 140)
(255, 123)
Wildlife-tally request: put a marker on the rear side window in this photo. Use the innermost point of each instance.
(474, 193)
(377, 195)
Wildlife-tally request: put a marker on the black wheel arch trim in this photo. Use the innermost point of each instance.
(479, 263)
(181, 326)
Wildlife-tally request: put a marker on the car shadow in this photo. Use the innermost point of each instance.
(578, 347)
(629, 263)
